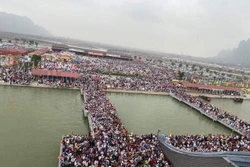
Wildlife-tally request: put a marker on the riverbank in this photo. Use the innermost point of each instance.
(136, 92)
(35, 85)
(167, 94)
(219, 97)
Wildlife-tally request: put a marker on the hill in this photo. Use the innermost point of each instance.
(236, 56)
(18, 24)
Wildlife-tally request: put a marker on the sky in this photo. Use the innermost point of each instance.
(191, 27)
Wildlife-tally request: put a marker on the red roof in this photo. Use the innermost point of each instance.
(201, 86)
(54, 73)
(12, 51)
(41, 51)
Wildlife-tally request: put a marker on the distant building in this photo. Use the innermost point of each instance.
(117, 56)
(60, 47)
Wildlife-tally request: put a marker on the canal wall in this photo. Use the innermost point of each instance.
(135, 92)
(86, 113)
(213, 118)
(35, 85)
(60, 153)
(167, 94)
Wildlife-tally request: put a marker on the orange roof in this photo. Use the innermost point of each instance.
(12, 51)
(54, 73)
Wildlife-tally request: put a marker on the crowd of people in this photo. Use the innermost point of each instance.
(15, 76)
(210, 143)
(58, 82)
(110, 144)
(217, 113)
(138, 83)
(217, 92)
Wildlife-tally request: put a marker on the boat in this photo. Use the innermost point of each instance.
(238, 100)
(205, 98)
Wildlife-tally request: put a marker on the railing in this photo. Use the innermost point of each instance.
(162, 139)
(60, 153)
(214, 118)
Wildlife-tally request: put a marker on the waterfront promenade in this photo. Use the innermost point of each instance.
(168, 94)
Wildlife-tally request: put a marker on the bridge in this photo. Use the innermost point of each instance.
(214, 118)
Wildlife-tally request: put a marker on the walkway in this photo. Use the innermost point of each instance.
(214, 118)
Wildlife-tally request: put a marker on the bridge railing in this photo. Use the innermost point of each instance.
(211, 116)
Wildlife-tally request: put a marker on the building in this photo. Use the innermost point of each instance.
(10, 56)
(59, 47)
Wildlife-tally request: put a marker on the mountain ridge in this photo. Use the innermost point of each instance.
(237, 56)
(20, 24)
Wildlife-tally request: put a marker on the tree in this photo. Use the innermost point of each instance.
(9, 41)
(36, 59)
(24, 41)
(245, 77)
(36, 44)
(201, 74)
(186, 65)
(207, 70)
(172, 63)
(180, 65)
(1, 40)
(180, 75)
(31, 42)
(193, 66)
(238, 78)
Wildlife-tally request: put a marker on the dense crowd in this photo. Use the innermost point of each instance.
(217, 92)
(15, 76)
(58, 82)
(153, 83)
(217, 113)
(110, 144)
(210, 143)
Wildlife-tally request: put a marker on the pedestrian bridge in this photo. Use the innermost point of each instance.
(182, 158)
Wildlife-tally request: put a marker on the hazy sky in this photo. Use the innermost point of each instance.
(194, 27)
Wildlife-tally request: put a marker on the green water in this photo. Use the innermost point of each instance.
(146, 113)
(242, 110)
(32, 122)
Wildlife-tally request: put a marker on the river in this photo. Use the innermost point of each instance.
(239, 109)
(146, 113)
(32, 122)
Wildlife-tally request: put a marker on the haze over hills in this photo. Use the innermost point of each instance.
(23, 25)
(18, 24)
(236, 56)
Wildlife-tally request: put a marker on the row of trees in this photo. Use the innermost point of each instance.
(24, 41)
